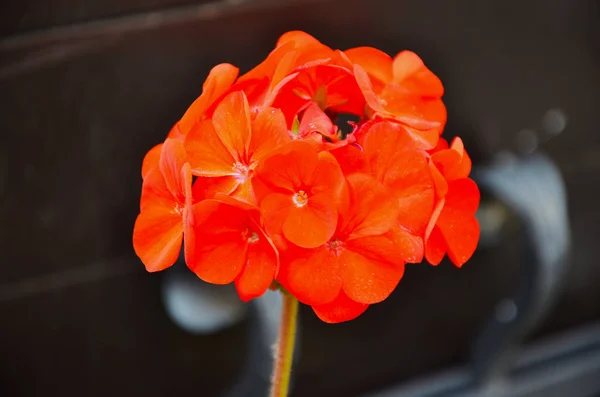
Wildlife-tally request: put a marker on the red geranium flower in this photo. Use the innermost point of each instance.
(231, 246)
(165, 208)
(229, 146)
(264, 190)
(302, 193)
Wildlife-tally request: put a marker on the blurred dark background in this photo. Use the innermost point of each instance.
(87, 87)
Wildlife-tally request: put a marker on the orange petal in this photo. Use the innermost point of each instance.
(411, 245)
(307, 47)
(219, 80)
(437, 210)
(244, 192)
(425, 119)
(275, 208)
(411, 73)
(441, 145)
(328, 177)
(283, 69)
(291, 167)
(176, 132)
(310, 275)
(440, 183)
(155, 192)
(298, 37)
(207, 155)
(368, 278)
(376, 63)
(373, 209)
(398, 164)
(266, 68)
(312, 225)
(454, 163)
(261, 266)
(352, 159)
(221, 243)
(157, 237)
(315, 120)
(269, 132)
(151, 159)
(231, 121)
(341, 309)
(462, 197)
(457, 223)
(363, 81)
(461, 239)
(219, 259)
(435, 247)
(172, 159)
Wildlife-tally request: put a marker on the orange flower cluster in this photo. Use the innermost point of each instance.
(264, 188)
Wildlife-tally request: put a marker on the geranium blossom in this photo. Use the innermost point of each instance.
(265, 189)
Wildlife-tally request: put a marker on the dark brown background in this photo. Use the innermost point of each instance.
(88, 87)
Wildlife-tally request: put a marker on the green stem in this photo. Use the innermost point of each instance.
(280, 382)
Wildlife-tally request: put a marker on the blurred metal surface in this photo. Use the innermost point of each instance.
(566, 365)
(534, 189)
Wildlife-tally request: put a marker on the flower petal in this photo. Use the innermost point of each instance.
(221, 241)
(363, 81)
(461, 239)
(231, 120)
(341, 309)
(275, 208)
(290, 168)
(151, 159)
(411, 245)
(315, 120)
(399, 165)
(157, 237)
(207, 155)
(457, 222)
(453, 163)
(373, 210)
(376, 63)
(312, 225)
(219, 80)
(368, 274)
(219, 259)
(269, 132)
(435, 247)
(260, 269)
(310, 275)
(411, 73)
(172, 159)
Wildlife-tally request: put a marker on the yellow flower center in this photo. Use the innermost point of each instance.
(300, 199)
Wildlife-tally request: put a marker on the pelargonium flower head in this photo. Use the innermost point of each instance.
(265, 188)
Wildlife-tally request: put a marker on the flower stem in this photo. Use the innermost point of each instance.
(280, 382)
